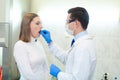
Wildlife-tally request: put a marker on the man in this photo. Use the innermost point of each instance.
(80, 59)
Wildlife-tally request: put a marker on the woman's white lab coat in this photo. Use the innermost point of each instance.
(80, 59)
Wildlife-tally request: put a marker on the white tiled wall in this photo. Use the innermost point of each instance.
(107, 40)
(108, 57)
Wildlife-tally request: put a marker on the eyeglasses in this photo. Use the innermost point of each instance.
(69, 21)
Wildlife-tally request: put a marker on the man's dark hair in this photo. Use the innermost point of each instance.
(81, 15)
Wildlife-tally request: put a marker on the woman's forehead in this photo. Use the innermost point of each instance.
(36, 19)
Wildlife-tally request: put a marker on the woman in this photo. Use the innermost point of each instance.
(28, 51)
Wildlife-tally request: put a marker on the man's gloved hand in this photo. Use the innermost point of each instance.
(54, 70)
(46, 35)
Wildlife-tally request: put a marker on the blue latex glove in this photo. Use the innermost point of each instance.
(54, 70)
(46, 35)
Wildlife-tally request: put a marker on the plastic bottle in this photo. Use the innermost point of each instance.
(105, 76)
(115, 78)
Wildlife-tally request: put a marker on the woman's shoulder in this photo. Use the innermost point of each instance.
(19, 43)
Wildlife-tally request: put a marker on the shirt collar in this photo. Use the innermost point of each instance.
(33, 39)
(80, 35)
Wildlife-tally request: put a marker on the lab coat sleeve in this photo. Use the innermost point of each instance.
(80, 69)
(23, 64)
(58, 52)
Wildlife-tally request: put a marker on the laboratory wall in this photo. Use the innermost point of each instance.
(0, 56)
(4, 20)
(104, 26)
(2, 11)
(5, 8)
(11, 13)
(19, 8)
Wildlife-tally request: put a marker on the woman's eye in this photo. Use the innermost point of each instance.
(38, 23)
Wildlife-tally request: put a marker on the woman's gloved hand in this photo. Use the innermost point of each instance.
(54, 70)
(46, 35)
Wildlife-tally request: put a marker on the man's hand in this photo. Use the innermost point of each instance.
(46, 35)
(54, 70)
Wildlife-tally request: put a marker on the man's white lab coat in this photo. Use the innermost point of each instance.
(80, 59)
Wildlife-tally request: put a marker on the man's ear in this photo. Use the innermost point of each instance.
(77, 23)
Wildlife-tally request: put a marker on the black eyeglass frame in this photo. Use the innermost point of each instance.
(69, 21)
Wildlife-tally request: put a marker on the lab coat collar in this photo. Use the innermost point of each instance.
(80, 35)
(84, 37)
